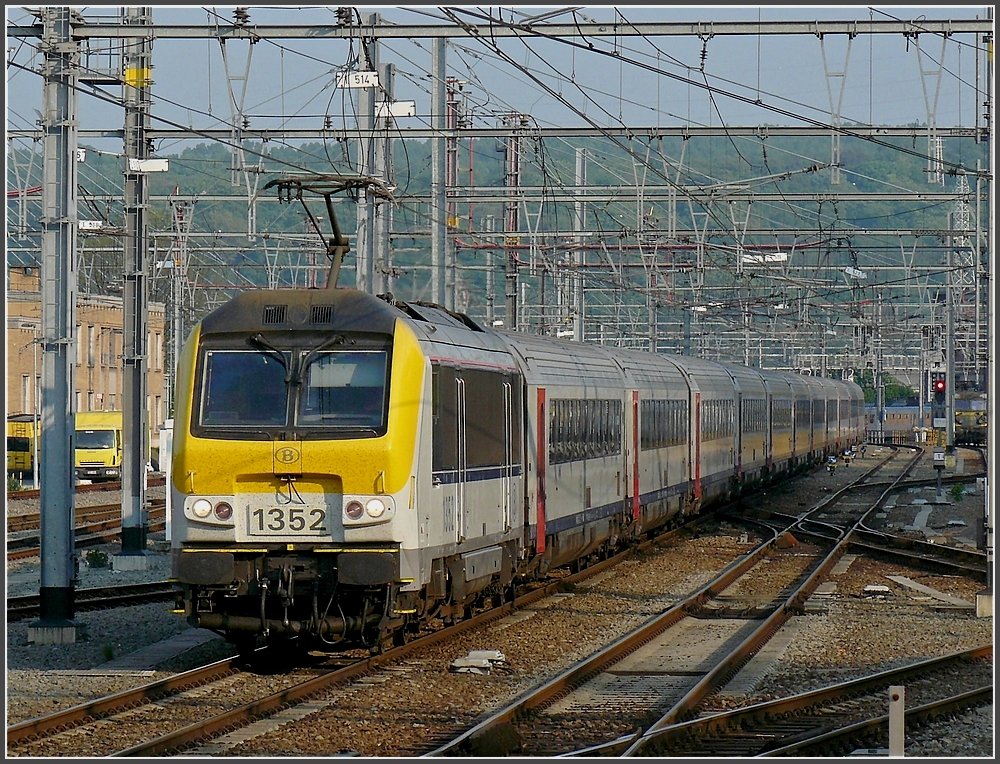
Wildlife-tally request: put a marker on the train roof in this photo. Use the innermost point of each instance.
(332, 310)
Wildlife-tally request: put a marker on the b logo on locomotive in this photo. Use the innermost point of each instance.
(287, 455)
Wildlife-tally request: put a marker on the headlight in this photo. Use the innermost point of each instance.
(223, 510)
(354, 510)
(375, 507)
(202, 508)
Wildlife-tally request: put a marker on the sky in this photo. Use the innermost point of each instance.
(884, 80)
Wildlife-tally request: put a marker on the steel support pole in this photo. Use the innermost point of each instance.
(382, 267)
(949, 356)
(60, 70)
(137, 69)
(365, 279)
(579, 226)
(439, 223)
(984, 598)
(512, 183)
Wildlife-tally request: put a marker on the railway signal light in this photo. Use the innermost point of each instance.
(939, 384)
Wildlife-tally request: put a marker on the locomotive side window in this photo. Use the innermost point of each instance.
(18, 444)
(484, 412)
(445, 414)
(485, 426)
(242, 389)
(344, 389)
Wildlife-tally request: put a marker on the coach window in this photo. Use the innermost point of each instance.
(649, 424)
(557, 432)
(594, 436)
(576, 429)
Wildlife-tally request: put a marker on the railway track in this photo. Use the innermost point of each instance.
(627, 685)
(111, 485)
(833, 720)
(838, 518)
(20, 735)
(94, 525)
(31, 521)
(177, 731)
(100, 598)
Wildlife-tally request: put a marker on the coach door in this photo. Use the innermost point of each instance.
(450, 460)
(462, 462)
(507, 469)
(632, 456)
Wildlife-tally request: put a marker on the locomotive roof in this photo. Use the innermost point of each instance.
(340, 310)
(344, 310)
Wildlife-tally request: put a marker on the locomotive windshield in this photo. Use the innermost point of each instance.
(243, 388)
(338, 389)
(344, 388)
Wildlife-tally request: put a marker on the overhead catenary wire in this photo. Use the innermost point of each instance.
(547, 179)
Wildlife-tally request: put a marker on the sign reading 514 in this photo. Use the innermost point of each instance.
(357, 79)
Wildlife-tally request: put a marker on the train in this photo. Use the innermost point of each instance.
(971, 418)
(904, 424)
(348, 468)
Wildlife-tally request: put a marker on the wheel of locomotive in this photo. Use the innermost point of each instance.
(510, 591)
(401, 634)
(387, 640)
(244, 642)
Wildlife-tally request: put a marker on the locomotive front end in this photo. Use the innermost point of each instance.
(294, 465)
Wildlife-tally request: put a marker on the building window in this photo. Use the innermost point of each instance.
(26, 393)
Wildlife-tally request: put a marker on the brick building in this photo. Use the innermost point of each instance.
(99, 345)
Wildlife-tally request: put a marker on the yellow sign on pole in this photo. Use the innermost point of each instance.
(139, 77)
